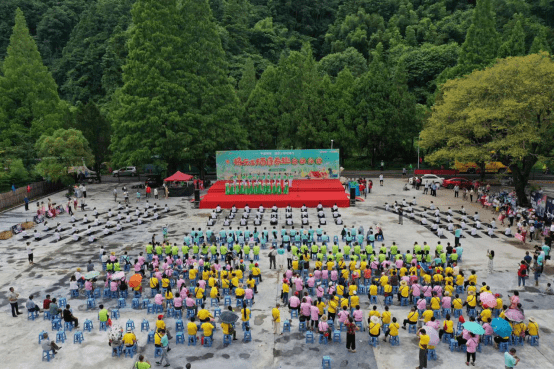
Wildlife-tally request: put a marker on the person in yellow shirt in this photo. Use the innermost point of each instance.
(212, 281)
(388, 290)
(165, 281)
(160, 325)
(203, 314)
(499, 303)
(448, 326)
(214, 293)
(485, 314)
(392, 329)
(373, 290)
(374, 326)
(438, 278)
(321, 306)
(205, 274)
(192, 274)
(238, 272)
(343, 302)
(234, 280)
(403, 271)
(435, 302)
(229, 330)
(207, 328)
(276, 318)
(354, 299)
(332, 310)
(457, 303)
(154, 282)
(286, 289)
(330, 264)
(403, 291)
(449, 287)
(502, 313)
(471, 279)
(245, 313)
(471, 301)
(374, 312)
(340, 290)
(386, 316)
(129, 338)
(198, 292)
(192, 328)
(427, 314)
(533, 327)
(239, 292)
(413, 315)
(460, 279)
(427, 279)
(345, 274)
(424, 340)
(384, 280)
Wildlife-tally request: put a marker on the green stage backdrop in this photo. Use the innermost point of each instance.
(302, 164)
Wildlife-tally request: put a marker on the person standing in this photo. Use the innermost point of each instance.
(471, 346)
(115, 194)
(13, 188)
(490, 255)
(30, 253)
(381, 179)
(164, 344)
(456, 191)
(156, 193)
(351, 329)
(366, 190)
(510, 359)
(423, 344)
(400, 216)
(382, 166)
(84, 191)
(12, 298)
(276, 318)
(471, 192)
(26, 200)
(404, 172)
(272, 258)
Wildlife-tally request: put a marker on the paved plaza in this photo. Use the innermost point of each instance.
(55, 262)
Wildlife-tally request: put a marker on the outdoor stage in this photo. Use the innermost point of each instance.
(308, 192)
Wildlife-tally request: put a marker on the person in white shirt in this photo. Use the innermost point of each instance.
(424, 221)
(118, 226)
(166, 209)
(289, 221)
(320, 206)
(89, 230)
(45, 226)
(493, 224)
(508, 232)
(106, 230)
(147, 205)
(412, 215)
(404, 203)
(478, 224)
(156, 216)
(335, 208)
(463, 225)
(140, 220)
(119, 216)
(432, 206)
(218, 209)
(57, 236)
(490, 231)
(73, 218)
(414, 202)
(94, 212)
(302, 209)
(464, 218)
(96, 221)
(449, 218)
(243, 222)
(261, 209)
(137, 212)
(437, 212)
(120, 206)
(387, 207)
(128, 219)
(226, 222)
(450, 226)
(274, 208)
(73, 230)
(37, 234)
(450, 211)
(434, 227)
(476, 216)
(339, 221)
(440, 232)
(76, 237)
(246, 208)
(320, 214)
(437, 220)
(463, 210)
(381, 179)
(473, 231)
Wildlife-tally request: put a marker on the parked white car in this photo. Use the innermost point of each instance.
(428, 178)
(125, 171)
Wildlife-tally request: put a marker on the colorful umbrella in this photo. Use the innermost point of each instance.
(91, 275)
(501, 327)
(433, 335)
(135, 280)
(514, 315)
(118, 275)
(474, 328)
(488, 299)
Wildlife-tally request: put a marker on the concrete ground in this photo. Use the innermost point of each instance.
(55, 262)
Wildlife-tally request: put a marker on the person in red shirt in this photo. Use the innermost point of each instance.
(148, 191)
(522, 273)
(46, 302)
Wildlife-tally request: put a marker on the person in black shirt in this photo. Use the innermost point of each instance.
(68, 317)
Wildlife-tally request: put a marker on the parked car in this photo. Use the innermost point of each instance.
(428, 178)
(125, 171)
(460, 181)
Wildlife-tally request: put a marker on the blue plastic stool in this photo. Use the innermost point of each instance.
(293, 314)
(373, 299)
(91, 303)
(130, 351)
(337, 336)
(192, 340)
(60, 336)
(503, 346)
(115, 314)
(32, 315)
(56, 324)
(309, 337)
(47, 355)
(62, 302)
(178, 314)
(459, 289)
(179, 326)
(380, 290)
(199, 302)
(217, 312)
(170, 312)
(360, 325)
(517, 340)
(68, 326)
(460, 327)
(116, 351)
(388, 300)
(394, 340)
(227, 339)
(74, 293)
(404, 301)
(326, 362)
(362, 289)
(446, 337)
(151, 337)
(431, 355)
(437, 314)
(130, 324)
(145, 303)
(302, 326)
(88, 326)
(159, 308)
(533, 340)
(47, 315)
(107, 293)
(487, 340)
(150, 309)
(208, 342)
(374, 341)
(40, 336)
(103, 325)
(135, 303)
(114, 294)
(286, 326)
(457, 313)
(412, 328)
(248, 302)
(454, 345)
(322, 339)
(124, 293)
(78, 337)
(446, 311)
(96, 293)
(214, 302)
(144, 325)
(247, 336)
(190, 313)
(158, 352)
(121, 303)
(180, 337)
(239, 302)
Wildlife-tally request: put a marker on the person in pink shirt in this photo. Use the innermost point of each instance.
(249, 294)
(399, 263)
(307, 298)
(311, 281)
(331, 289)
(180, 282)
(169, 260)
(177, 301)
(155, 264)
(314, 316)
(323, 327)
(179, 263)
(446, 300)
(159, 299)
(334, 275)
(200, 262)
(298, 284)
(305, 309)
(427, 290)
(155, 258)
(343, 315)
(385, 265)
(358, 314)
(158, 275)
(319, 291)
(471, 344)
(88, 285)
(325, 275)
(184, 292)
(294, 302)
(165, 265)
(288, 274)
(141, 259)
(112, 257)
(202, 284)
(434, 323)
(191, 303)
(317, 274)
(488, 328)
(438, 290)
(138, 267)
(216, 266)
(421, 302)
(374, 265)
(514, 300)
(113, 286)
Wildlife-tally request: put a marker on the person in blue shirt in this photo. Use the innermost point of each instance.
(457, 235)
(510, 359)
(165, 344)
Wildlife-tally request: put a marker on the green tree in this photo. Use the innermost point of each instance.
(352, 59)
(62, 149)
(97, 130)
(540, 42)
(29, 102)
(515, 45)
(247, 82)
(502, 113)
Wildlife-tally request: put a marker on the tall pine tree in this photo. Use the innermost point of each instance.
(481, 43)
(247, 82)
(540, 42)
(29, 101)
(515, 45)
